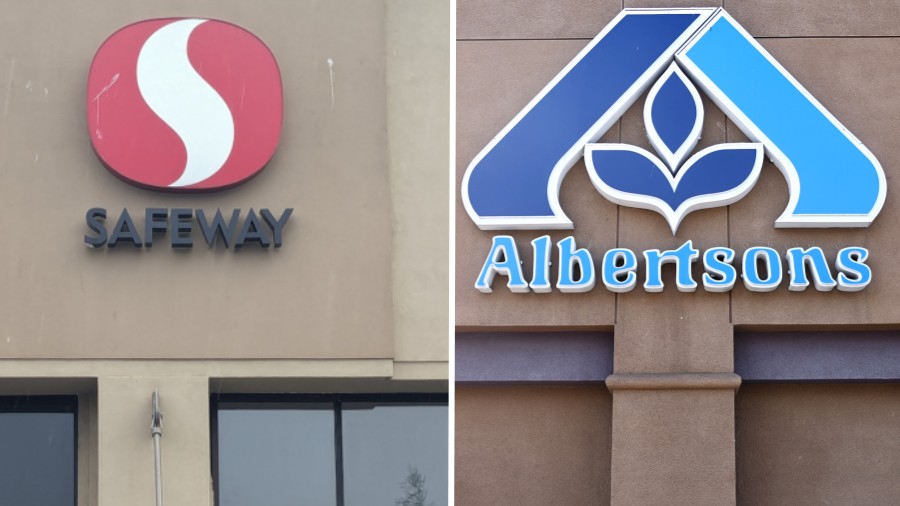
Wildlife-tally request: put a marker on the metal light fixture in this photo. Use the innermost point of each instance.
(156, 433)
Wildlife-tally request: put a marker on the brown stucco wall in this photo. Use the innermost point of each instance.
(532, 445)
(495, 79)
(506, 54)
(818, 444)
(673, 443)
(672, 447)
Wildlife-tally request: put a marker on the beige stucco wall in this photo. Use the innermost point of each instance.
(355, 301)
(365, 174)
(418, 88)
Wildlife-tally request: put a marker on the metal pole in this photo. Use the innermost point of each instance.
(156, 432)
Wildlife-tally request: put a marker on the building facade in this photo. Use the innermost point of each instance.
(570, 392)
(312, 371)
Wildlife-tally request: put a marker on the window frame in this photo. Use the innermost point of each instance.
(288, 401)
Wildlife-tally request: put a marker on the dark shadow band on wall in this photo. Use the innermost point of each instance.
(821, 356)
(539, 357)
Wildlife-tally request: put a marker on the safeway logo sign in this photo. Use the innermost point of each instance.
(184, 104)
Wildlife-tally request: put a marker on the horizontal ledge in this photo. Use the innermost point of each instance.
(831, 355)
(219, 368)
(529, 382)
(673, 381)
(434, 370)
(536, 357)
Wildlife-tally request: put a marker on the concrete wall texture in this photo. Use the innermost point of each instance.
(356, 299)
(673, 420)
(818, 443)
(532, 444)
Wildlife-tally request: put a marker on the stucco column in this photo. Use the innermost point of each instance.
(417, 73)
(125, 448)
(673, 390)
(673, 383)
(673, 439)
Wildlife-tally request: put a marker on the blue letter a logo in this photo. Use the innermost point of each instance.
(834, 181)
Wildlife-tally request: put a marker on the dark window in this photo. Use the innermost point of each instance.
(343, 450)
(38, 438)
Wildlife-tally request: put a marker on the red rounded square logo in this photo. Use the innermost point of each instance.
(184, 104)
